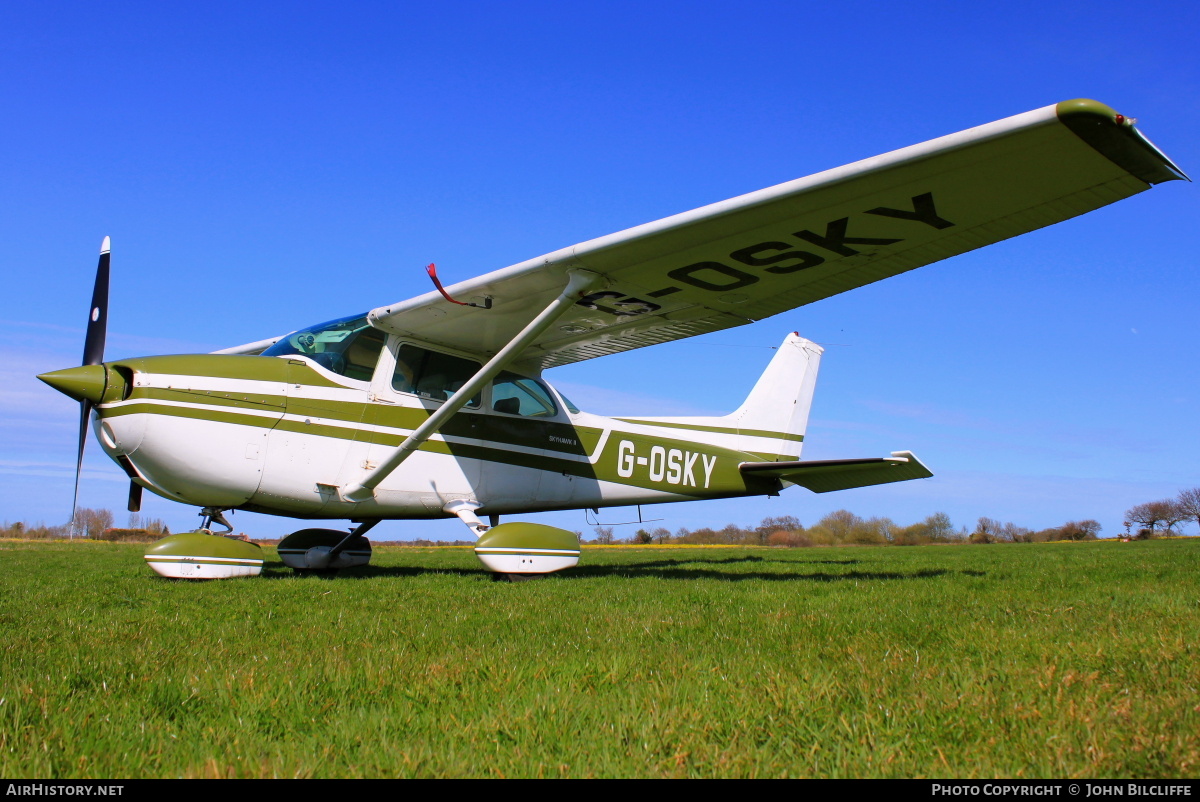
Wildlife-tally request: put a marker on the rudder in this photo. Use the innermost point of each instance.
(779, 404)
(772, 420)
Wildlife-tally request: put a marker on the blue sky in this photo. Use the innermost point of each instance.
(265, 166)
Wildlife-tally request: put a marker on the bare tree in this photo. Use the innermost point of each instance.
(732, 533)
(93, 522)
(604, 535)
(156, 526)
(1153, 514)
(1175, 514)
(784, 523)
(885, 528)
(939, 528)
(1189, 503)
(1087, 529)
(1015, 534)
(987, 530)
(840, 525)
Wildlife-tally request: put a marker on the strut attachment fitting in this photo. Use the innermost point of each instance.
(579, 282)
(465, 510)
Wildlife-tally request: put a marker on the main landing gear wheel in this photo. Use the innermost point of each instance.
(322, 552)
(516, 552)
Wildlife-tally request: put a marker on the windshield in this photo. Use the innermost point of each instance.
(348, 346)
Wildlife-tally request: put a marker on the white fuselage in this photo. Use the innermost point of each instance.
(287, 447)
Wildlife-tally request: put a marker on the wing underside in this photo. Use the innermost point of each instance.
(760, 254)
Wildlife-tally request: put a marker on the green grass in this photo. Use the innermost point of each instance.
(969, 661)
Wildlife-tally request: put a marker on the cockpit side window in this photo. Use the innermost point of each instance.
(518, 395)
(349, 346)
(432, 375)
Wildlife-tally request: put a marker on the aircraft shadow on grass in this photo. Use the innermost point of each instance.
(661, 569)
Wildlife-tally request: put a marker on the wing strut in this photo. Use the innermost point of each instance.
(580, 283)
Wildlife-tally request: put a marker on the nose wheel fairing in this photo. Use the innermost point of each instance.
(201, 555)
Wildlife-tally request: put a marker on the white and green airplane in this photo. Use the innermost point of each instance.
(437, 406)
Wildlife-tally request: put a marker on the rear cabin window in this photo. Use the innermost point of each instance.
(574, 410)
(518, 395)
(432, 375)
(349, 347)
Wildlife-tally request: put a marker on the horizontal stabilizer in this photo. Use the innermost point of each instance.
(823, 476)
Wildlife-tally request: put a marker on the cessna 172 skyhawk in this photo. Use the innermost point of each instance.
(436, 406)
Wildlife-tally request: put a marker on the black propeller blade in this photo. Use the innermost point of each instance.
(93, 343)
(93, 354)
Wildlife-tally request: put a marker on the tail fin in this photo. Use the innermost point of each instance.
(771, 422)
(782, 397)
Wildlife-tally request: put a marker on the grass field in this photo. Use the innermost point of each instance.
(969, 661)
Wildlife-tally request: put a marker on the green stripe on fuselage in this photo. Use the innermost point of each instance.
(695, 427)
(210, 397)
(725, 480)
(495, 433)
(531, 433)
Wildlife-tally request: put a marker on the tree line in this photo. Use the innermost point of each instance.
(96, 524)
(842, 527)
(1161, 517)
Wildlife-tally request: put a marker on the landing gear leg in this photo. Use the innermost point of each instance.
(214, 515)
(358, 531)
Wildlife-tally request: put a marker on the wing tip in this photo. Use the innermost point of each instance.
(1115, 137)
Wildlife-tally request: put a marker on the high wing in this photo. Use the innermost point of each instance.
(824, 476)
(760, 254)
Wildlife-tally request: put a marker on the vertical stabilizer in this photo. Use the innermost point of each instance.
(778, 406)
(771, 422)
